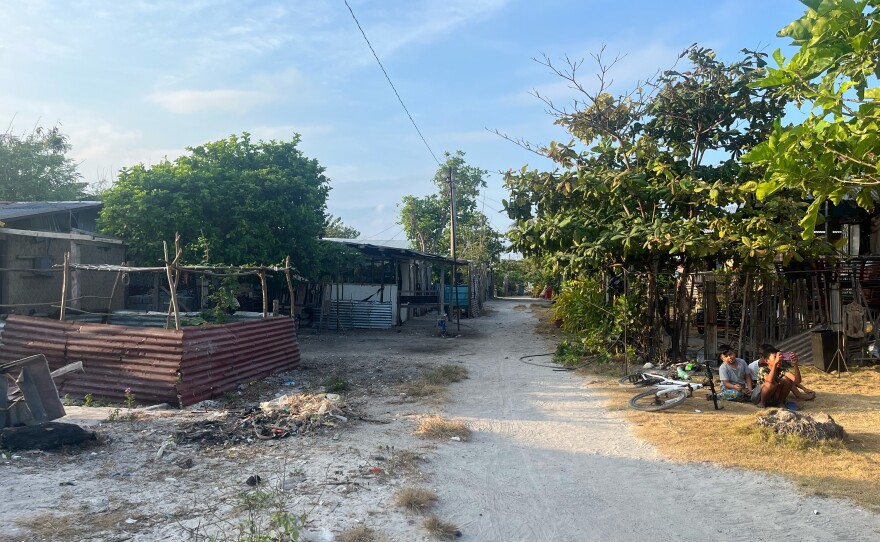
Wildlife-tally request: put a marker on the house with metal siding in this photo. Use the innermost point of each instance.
(34, 237)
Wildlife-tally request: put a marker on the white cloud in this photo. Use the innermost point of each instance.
(218, 100)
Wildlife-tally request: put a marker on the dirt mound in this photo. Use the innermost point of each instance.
(786, 422)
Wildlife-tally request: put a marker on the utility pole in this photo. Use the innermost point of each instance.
(452, 245)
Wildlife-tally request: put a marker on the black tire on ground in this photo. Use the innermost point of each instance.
(653, 400)
(640, 380)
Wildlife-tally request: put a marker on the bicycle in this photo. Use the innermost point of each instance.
(666, 392)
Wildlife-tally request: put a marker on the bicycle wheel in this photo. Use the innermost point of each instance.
(640, 380)
(653, 400)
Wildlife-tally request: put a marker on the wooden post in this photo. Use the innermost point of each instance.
(710, 330)
(177, 253)
(171, 286)
(290, 287)
(442, 310)
(265, 293)
(742, 319)
(73, 284)
(64, 283)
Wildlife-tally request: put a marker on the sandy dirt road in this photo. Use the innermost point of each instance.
(547, 462)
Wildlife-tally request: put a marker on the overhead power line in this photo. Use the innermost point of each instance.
(370, 45)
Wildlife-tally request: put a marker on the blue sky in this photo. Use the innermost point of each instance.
(136, 81)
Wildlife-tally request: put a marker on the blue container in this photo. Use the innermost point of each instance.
(462, 297)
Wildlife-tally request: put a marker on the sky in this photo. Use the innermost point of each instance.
(137, 81)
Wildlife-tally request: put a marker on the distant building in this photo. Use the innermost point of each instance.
(34, 236)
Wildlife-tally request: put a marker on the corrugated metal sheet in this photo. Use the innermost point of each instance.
(360, 315)
(158, 365)
(218, 358)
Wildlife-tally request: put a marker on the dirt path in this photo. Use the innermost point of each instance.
(547, 461)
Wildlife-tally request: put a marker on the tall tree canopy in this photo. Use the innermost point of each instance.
(240, 201)
(334, 228)
(655, 179)
(834, 152)
(35, 167)
(426, 220)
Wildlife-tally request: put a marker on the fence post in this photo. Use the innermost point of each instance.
(710, 320)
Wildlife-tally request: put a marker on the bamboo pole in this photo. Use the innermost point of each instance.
(265, 294)
(289, 287)
(171, 284)
(64, 284)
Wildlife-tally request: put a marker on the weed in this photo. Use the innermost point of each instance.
(446, 374)
(335, 384)
(416, 499)
(404, 461)
(361, 533)
(441, 529)
(87, 400)
(437, 427)
(129, 398)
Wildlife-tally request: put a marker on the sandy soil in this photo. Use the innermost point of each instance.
(547, 461)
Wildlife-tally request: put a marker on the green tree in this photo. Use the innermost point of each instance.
(35, 167)
(426, 220)
(335, 229)
(835, 151)
(239, 201)
(658, 182)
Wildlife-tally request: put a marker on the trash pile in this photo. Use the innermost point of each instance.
(812, 428)
(279, 418)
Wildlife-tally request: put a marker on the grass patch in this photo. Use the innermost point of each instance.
(440, 529)
(416, 499)
(446, 374)
(335, 384)
(404, 461)
(437, 427)
(361, 533)
(729, 437)
(434, 382)
(48, 526)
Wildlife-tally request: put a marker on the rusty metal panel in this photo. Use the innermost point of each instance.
(218, 358)
(159, 365)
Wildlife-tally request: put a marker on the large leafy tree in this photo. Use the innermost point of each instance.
(834, 152)
(242, 202)
(36, 167)
(334, 228)
(653, 180)
(426, 220)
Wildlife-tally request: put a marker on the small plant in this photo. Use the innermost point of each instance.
(129, 398)
(335, 384)
(223, 301)
(437, 427)
(441, 529)
(416, 499)
(446, 374)
(87, 400)
(361, 533)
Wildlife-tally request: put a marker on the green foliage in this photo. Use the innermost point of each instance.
(653, 179)
(244, 202)
(223, 301)
(570, 354)
(833, 154)
(335, 384)
(426, 220)
(87, 400)
(35, 167)
(335, 229)
(581, 306)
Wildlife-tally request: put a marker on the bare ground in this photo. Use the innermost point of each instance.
(546, 460)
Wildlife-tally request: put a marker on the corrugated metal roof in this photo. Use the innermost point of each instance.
(21, 209)
(372, 249)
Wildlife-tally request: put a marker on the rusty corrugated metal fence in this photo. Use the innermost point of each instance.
(178, 367)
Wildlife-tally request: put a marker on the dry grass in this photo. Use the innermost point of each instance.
(48, 526)
(434, 382)
(404, 461)
(437, 427)
(729, 437)
(361, 533)
(441, 529)
(416, 499)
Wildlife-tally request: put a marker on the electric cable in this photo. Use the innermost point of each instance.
(370, 45)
